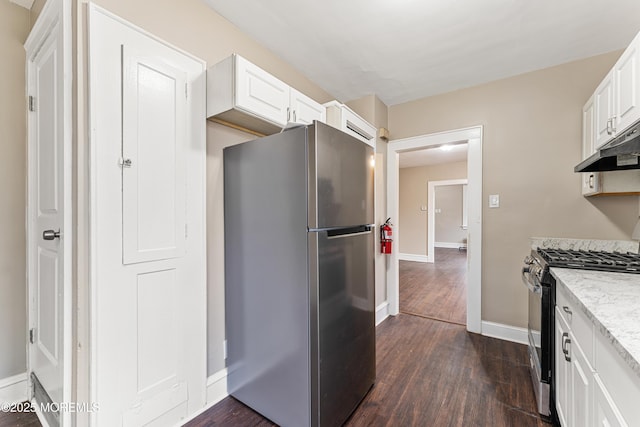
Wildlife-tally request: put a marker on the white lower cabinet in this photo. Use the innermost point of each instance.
(606, 412)
(581, 386)
(574, 377)
(563, 369)
(593, 385)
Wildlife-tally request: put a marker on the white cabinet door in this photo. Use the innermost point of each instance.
(305, 110)
(604, 113)
(627, 86)
(260, 93)
(563, 370)
(606, 413)
(153, 144)
(588, 129)
(148, 286)
(581, 400)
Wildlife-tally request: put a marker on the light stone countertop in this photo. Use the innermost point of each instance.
(612, 302)
(585, 244)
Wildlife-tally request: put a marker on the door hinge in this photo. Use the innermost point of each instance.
(32, 103)
(32, 335)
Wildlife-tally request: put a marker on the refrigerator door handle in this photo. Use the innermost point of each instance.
(341, 236)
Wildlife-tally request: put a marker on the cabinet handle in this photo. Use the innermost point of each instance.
(289, 116)
(294, 117)
(591, 179)
(609, 127)
(567, 310)
(566, 340)
(613, 124)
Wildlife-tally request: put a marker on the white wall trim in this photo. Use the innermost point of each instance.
(382, 312)
(27, 4)
(474, 242)
(216, 391)
(414, 257)
(217, 387)
(14, 389)
(505, 332)
(448, 245)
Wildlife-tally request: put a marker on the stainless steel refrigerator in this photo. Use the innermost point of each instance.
(299, 242)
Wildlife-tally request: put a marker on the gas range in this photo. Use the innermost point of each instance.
(587, 260)
(537, 278)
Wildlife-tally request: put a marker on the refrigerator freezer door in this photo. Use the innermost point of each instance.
(343, 321)
(341, 176)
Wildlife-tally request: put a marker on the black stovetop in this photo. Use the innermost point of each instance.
(592, 260)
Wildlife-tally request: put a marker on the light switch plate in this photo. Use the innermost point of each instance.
(494, 200)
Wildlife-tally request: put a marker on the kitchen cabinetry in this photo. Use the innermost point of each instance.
(242, 93)
(613, 107)
(344, 118)
(617, 97)
(593, 385)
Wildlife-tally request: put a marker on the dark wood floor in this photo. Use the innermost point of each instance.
(429, 373)
(438, 290)
(19, 419)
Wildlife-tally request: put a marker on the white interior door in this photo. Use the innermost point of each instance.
(48, 209)
(148, 271)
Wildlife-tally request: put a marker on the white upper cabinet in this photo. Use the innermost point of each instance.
(304, 109)
(617, 98)
(244, 94)
(603, 110)
(258, 92)
(627, 86)
(344, 118)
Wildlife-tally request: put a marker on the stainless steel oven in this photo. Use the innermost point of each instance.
(540, 330)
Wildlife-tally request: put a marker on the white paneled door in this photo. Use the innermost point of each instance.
(148, 272)
(48, 209)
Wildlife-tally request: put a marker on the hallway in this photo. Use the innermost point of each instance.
(436, 291)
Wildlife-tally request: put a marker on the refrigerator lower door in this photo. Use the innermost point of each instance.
(343, 322)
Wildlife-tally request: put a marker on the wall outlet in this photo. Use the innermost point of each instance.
(438, 210)
(494, 200)
(423, 208)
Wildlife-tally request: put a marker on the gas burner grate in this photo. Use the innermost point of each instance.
(592, 260)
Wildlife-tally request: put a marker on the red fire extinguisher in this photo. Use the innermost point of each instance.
(386, 237)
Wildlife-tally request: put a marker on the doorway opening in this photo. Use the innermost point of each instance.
(473, 137)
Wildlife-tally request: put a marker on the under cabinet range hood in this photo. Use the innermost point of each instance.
(620, 154)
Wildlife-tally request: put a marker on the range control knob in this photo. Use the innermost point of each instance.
(528, 260)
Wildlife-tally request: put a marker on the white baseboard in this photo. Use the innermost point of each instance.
(413, 257)
(216, 391)
(505, 332)
(217, 387)
(14, 389)
(382, 312)
(450, 245)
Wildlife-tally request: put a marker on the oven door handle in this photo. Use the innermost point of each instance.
(530, 284)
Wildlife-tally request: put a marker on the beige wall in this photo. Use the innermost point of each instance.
(197, 29)
(14, 27)
(413, 194)
(532, 139)
(373, 110)
(448, 218)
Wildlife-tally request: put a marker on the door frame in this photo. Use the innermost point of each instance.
(431, 217)
(55, 12)
(473, 135)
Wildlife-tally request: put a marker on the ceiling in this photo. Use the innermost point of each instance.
(401, 50)
(433, 156)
